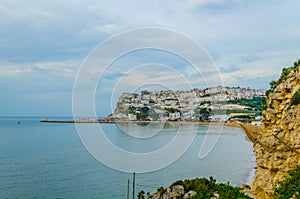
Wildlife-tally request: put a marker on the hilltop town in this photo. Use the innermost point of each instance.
(218, 104)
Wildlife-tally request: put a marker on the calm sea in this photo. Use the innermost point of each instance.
(48, 160)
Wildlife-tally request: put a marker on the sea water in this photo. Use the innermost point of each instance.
(48, 160)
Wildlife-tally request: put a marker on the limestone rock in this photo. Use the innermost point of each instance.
(244, 187)
(189, 194)
(173, 192)
(277, 148)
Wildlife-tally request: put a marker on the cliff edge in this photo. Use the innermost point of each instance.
(277, 146)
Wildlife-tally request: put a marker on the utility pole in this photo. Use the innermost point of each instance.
(128, 189)
(133, 185)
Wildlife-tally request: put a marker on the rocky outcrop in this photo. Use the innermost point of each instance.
(173, 192)
(200, 188)
(277, 146)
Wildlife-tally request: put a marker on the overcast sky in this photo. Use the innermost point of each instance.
(43, 44)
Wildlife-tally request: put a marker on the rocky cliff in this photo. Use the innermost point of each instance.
(277, 147)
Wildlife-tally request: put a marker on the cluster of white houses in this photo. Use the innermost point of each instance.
(182, 105)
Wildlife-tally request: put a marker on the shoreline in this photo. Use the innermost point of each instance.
(250, 130)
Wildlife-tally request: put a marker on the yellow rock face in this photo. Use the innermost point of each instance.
(277, 147)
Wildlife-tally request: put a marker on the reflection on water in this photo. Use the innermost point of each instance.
(43, 160)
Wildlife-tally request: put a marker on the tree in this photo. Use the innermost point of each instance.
(204, 114)
(273, 84)
(141, 195)
(296, 98)
(144, 113)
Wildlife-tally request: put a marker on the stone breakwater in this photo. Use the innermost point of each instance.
(277, 146)
(250, 130)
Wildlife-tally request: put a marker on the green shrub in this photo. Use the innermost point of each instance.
(290, 186)
(296, 98)
(284, 74)
(264, 103)
(255, 102)
(206, 188)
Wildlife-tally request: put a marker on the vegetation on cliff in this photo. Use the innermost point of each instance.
(290, 187)
(200, 188)
(284, 74)
(296, 98)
